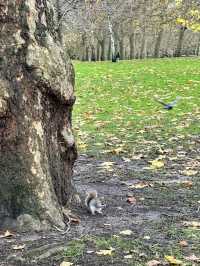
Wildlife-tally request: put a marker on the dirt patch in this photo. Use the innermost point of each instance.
(163, 200)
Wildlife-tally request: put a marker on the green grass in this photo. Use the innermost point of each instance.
(74, 250)
(142, 250)
(116, 112)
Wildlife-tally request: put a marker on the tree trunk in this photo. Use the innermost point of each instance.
(131, 43)
(87, 54)
(180, 41)
(112, 40)
(37, 146)
(143, 44)
(98, 51)
(109, 50)
(158, 43)
(93, 55)
(102, 43)
(121, 46)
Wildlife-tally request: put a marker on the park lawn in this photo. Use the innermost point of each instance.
(116, 112)
(142, 151)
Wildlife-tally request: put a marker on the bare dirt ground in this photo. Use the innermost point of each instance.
(162, 201)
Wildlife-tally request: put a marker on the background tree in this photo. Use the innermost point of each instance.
(138, 28)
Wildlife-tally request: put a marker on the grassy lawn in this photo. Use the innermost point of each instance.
(118, 121)
(116, 112)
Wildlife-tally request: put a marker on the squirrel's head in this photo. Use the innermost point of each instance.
(92, 194)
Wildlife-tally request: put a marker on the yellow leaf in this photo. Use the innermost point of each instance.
(117, 151)
(190, 172)
(173, 261)
(126, 232)
(105, 252)
(155, 164)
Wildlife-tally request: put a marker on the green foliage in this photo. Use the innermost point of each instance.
(116, 112)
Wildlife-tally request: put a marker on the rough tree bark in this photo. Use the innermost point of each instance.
(37, 146)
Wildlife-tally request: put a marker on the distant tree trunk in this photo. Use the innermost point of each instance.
(180, 41)
(37, 148)
(143, 44)
(93, 55)
(98, 51)
(102, 43)
(121, 46)
(87, 54)
(112, 40)
(109, 50)
(158, 43)
(131, 44)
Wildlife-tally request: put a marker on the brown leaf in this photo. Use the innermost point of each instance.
(153, 263)
(183, 243)
(131, 200)
(187, 183)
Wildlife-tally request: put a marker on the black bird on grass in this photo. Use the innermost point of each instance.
(169, 106)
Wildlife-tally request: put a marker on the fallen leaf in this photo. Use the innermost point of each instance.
(75, 220)
(137, 157)
(191, 223)
(193, 258)
(117, 151)
(6, 234)
(90, 251)
(190, 172)
(131, 200)
(128, 256)
(156, 164)
(146, 237)
(187, 183)
(173, 261)
(18, 247)
(126, 232)
(126, 160)
(105, 252)
(66, 263)
(106, 164)
(141, 185)
(107, 225)
(183, 243)
(153, 263)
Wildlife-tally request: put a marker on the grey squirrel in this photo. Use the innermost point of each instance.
(93, 203)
